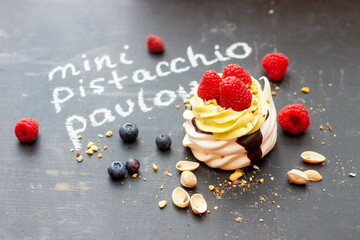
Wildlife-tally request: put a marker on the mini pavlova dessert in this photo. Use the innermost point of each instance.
(232, 122)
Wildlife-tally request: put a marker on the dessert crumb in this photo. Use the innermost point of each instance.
(305, 90)
(80, 158)
(352, 174)
(109, 133)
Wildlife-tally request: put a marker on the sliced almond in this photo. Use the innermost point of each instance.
(198, 203)
(188, 179)
(187, 165)
(180, 197)
(313, 175)
(297, 176)
(312, 157)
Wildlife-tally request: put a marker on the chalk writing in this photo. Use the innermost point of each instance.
(76, 124)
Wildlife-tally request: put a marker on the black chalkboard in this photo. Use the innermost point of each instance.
(82, 68)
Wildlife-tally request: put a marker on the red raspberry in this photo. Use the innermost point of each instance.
(26, 129)
(237, 71)
(209, 86)
(294, 118)
(155, 44)
(275, 65)
(234, 94)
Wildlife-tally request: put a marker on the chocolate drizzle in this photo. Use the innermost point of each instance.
(252, 144)
(198, 129)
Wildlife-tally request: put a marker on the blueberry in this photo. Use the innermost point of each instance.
(132, 165)
(128, 132)
(117, 170)
(163, 142)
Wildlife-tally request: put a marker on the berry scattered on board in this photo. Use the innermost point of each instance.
(275, 65)
(163, 142)
(128, 132)
(155, 44)
(294, 118)
(26, 129)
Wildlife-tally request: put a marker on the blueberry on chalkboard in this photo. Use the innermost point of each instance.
(132, 165)
(128, 132)
(117, 170)
(163, 142)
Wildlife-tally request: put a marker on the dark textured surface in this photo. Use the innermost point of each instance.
(46, 194)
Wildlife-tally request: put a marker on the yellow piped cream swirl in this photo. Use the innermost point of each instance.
(228, 124)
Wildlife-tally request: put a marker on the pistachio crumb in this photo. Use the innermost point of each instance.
(100, 135)
(305, 90)
(90, 151)
(99, 155)
(273, 93)
(261, 180)
(80, 158)
(211, 187)
(162, 203)
(155, 168)
(109, 133)
(71, 150)
(90, 144)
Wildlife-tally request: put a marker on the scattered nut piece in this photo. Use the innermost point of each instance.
(188, 179)
(180, 197)
(109, 133)
(297, 176)
(312, 157)
(162, 187)
(80, 158)
(211, 187)
(100, 135)
(261, 220)
(273, 93)
(89, 145)
(277, 88)
(187, 165)
(256, 167)
(198, 203)
(187, 100)
(305, 90)
(155, 168)
(238, 219)
(261, 180)
(95, 148)
(352, 174)
(90, 151)
(236, 175)
(99, 155)
(168, 174)
(177, 106)
(105, 147)
(313, 175)
(71, 150)
(162, 203)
